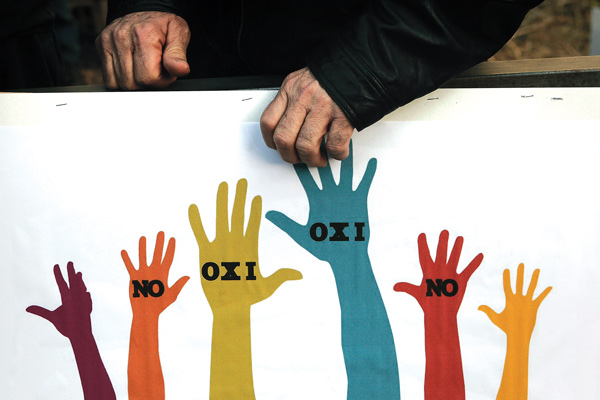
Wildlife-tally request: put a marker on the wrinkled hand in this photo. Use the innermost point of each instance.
(441, 269)
(299, 117)
(72, 318)
(244, 285)
(144, 49)
(158, 270)
(335, 203)
(519, 315)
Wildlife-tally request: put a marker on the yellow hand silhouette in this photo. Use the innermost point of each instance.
(232, 282)
(517, 320)
(519, 315)
(242, 285)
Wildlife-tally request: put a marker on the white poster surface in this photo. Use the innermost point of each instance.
(285, 282)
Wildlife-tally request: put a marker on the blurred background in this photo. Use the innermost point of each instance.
(556, 28)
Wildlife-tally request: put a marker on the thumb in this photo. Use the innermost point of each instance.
(286, 224)
(176, 43)
(408, 288)
(40, 311)
(492, 315)
(176, 288)
(283, 275)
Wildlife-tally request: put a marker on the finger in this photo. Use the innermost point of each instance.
(286, 224)
(347, 170)
(365, 183)
(326, 176)
(506, 282)
(222, 209)
(176, 43)
(409, 288)
(306, 179)
(40, 312)
(196, 224)
(123, 59)
(239, 205)
(255, 214)
(158, 249)
(169, 254)
(142, 253)
(287, 131)
(75, 279)
(472, 267)
(60, 282)
(442, 248)
(310, 138)
(147, 63)
(272, 283)
(271, 116)
(542, 296)
(424, 254)
(492, 315)
(455, 254)
(128, 264)
(338, 138)
(72, 276)
(520, 274)
(533, 283)
(103, 43)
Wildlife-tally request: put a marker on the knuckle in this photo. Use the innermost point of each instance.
(282, 142)
(305, 146)
(120, 36)
(267, 123)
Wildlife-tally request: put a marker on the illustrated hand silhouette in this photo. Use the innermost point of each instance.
(334, 204)
(229, 264)
(519, 315)
(72, 317)
(156, 273)
(443, 270)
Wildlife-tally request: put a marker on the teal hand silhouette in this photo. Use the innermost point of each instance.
(337, 231)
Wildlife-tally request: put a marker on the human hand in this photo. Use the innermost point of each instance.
(72, 317)
(299, 117)
(144, 49)
(519, 314)
(156, 275)
(229, 264)
(338, 219)
(440, 272)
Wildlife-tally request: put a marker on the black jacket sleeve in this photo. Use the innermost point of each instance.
(118, 8)
(398, 50)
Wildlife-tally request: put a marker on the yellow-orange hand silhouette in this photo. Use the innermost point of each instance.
(517, 320)
(232, 282)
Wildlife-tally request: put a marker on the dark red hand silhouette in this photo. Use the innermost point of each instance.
(72, 319)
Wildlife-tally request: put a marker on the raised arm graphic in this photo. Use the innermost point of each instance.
(517, 320)
(150, 295)
(72, 319)
(440, 294)
(232, 282)
(337, 232)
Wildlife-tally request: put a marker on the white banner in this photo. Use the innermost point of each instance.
(284, 282)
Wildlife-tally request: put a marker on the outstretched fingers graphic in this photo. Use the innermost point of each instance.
(72, 319)
(338, 215)
(156, 276)
(338, 232)
(232, 282)
(150, 295)
(441, 275)
(517, 320)
(440, 295)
